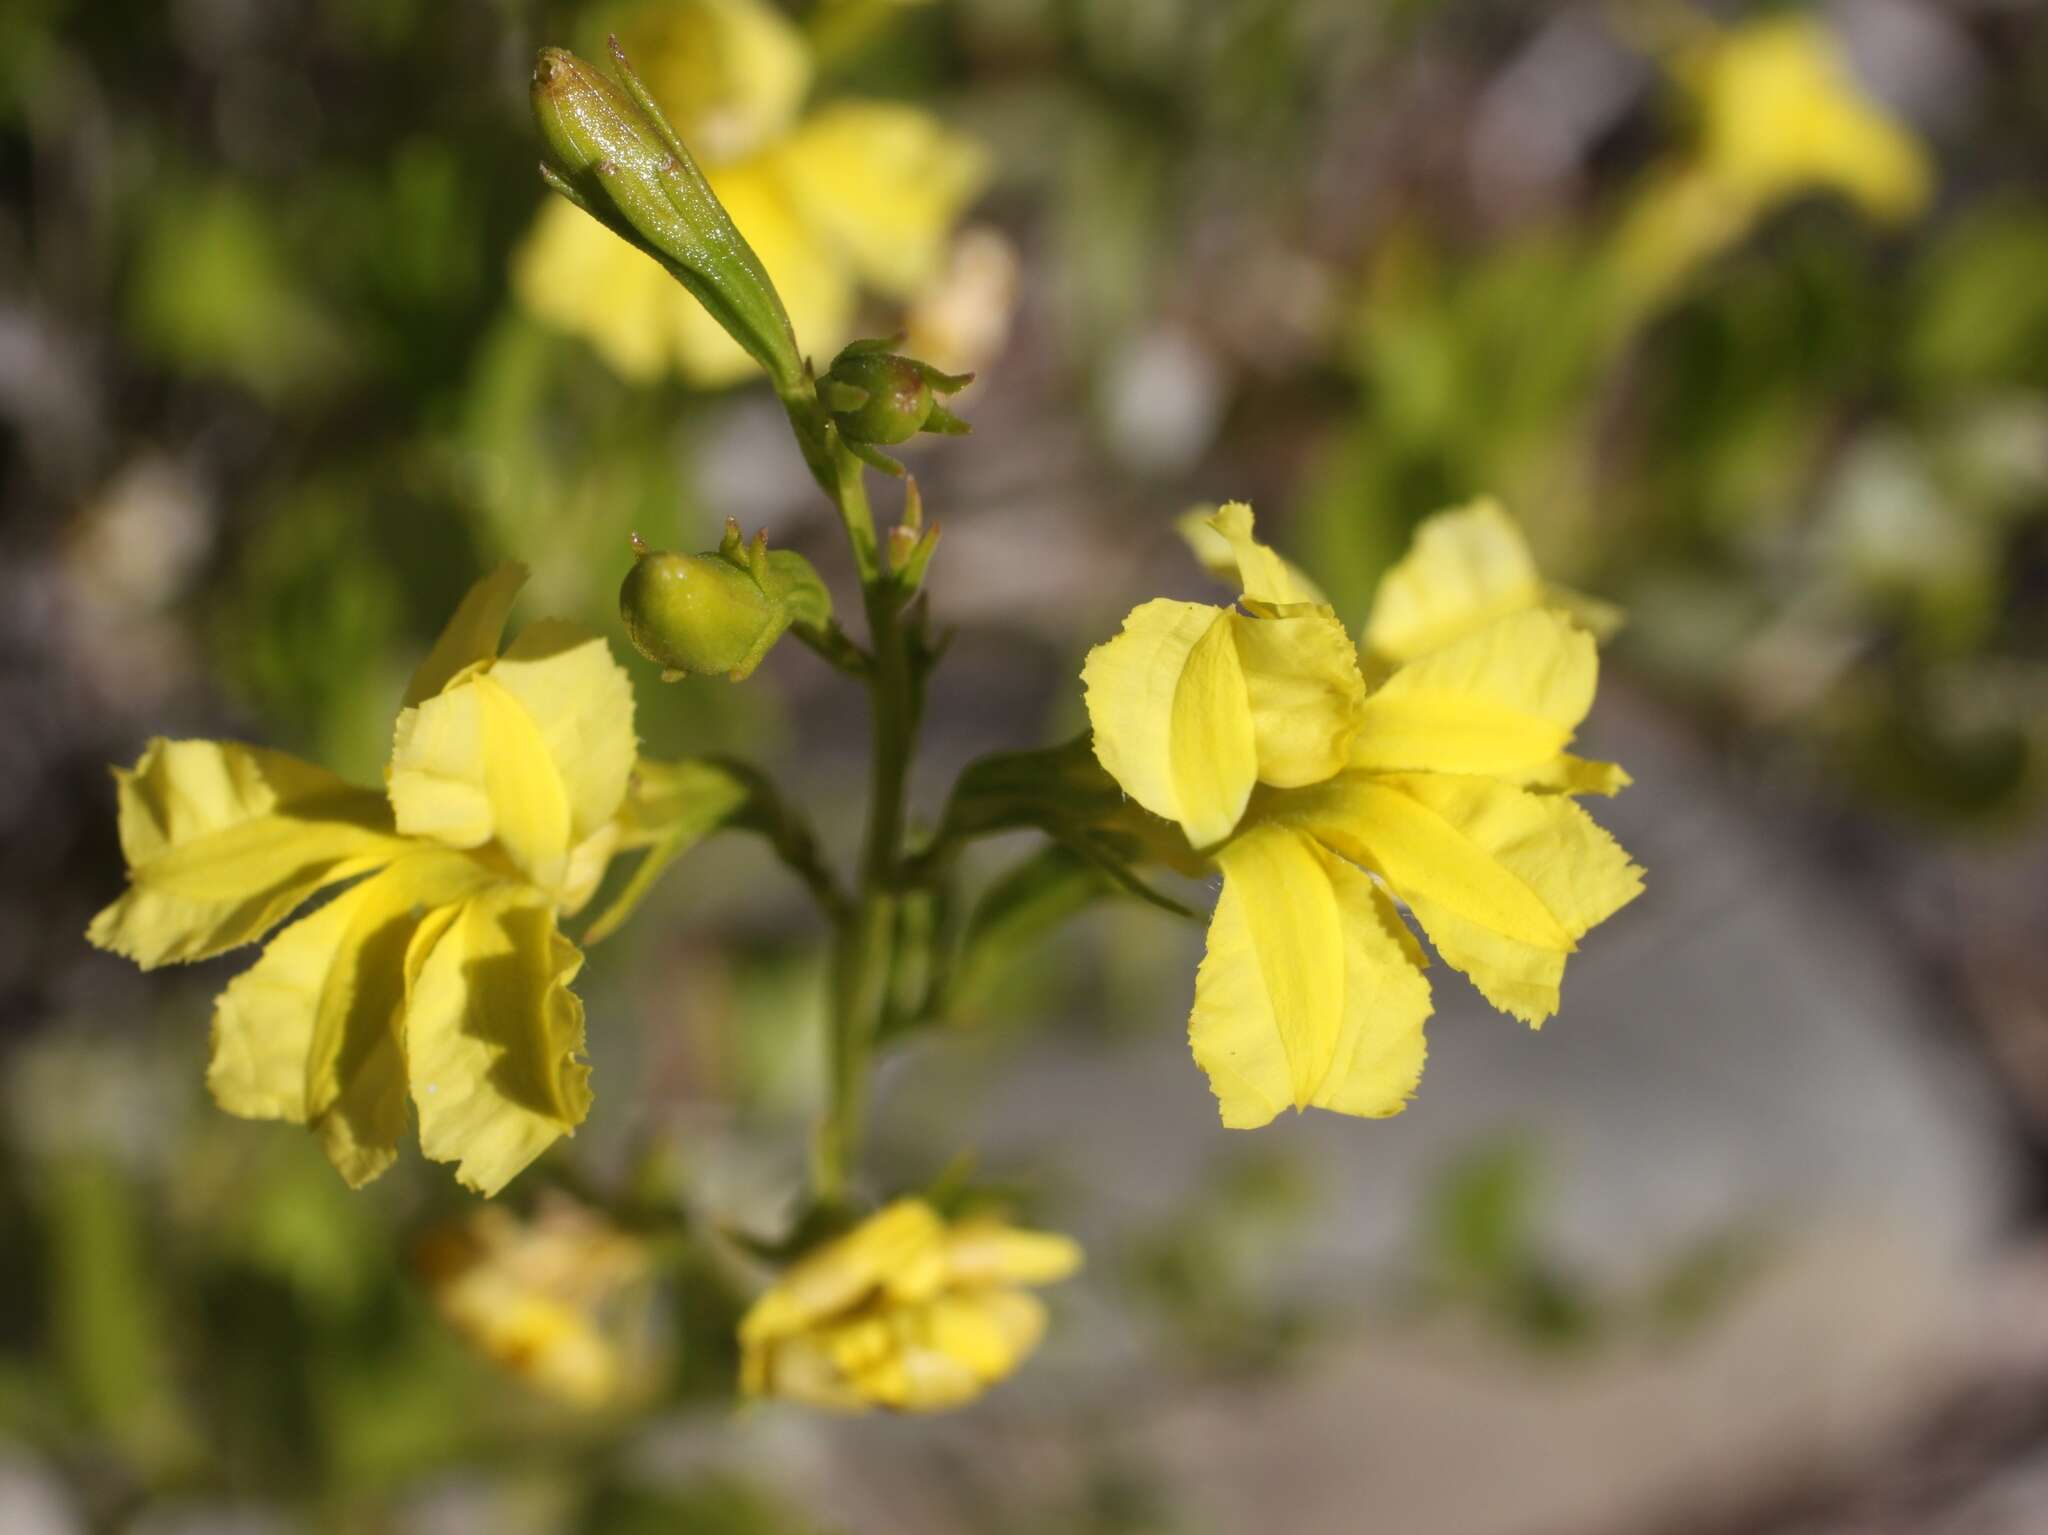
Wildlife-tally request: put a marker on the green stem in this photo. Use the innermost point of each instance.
(864, 943)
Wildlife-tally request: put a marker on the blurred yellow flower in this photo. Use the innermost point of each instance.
(855, 192)
(904, 1311)
(961, 321)
(441, 977)
(547, 1299)
(1779, 114)
(1322, 799)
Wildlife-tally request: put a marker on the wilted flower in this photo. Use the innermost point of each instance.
(549, 1300)
(1322, 799)
(439, 978)
(904, 1311)
(855, 192)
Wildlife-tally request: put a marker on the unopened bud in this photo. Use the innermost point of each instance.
(612, 153)
(878, 398)
(717, 614)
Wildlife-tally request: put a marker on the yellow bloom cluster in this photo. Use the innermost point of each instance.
(1445, 783)
(904, 1311)
(1779, 114)
(439, 978)
(542, 1299)
(855, 192)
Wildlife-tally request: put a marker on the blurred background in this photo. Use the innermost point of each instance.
(1743, 311)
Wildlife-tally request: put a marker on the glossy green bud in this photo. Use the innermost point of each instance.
(695, 614)
(895, 399)
(718, 614)
(879, 398)
(612, 153)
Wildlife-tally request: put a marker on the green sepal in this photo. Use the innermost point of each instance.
(1064, 792)
(794, 582)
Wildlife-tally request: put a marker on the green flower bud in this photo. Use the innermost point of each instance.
(696, 614)
(877, 397)
(612, 153)
(896, 401)
(718, 613)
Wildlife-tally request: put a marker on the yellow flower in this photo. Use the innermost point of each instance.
(1465, 568)
(904, 1311)
(1321, 799)
(1780, 114)
(441, 977)
(856, 192)
(546, 1299)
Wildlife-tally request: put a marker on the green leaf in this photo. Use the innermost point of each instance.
(1016, 913)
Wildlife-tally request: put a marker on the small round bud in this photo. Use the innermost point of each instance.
(898, 397)
(699, 613)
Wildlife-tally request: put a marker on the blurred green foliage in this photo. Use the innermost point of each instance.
(1483, 1251)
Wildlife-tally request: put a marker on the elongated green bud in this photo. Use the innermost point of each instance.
(718, 613)
(612, 153)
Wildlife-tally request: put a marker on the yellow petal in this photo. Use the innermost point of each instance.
(472, 634)
(988, 1333)
(1269, 998)
(1311, 992)
(310, 1033)
(1566, 774)
(576, 276)
(1262, 575)
(1579, 872)
(730, 74)
(1380, 1049)
(1463, 568)
(1302, 681)
(884, 183)
(1596, 615)
(1172, 716)
(222, 841)
(987, 1252)
(471, 765)
(798, 1369)
(839, 1275)
(1504, 699)
(1477, 860)
(1438, 839)
(1783, 112)
(492, 1038)
(581, 700)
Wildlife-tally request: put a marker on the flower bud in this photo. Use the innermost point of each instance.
(718, 613)
(612, 153)
(898, 400)
(878, 397)
(694, 613)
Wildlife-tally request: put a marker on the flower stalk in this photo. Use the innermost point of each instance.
(864, 954)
